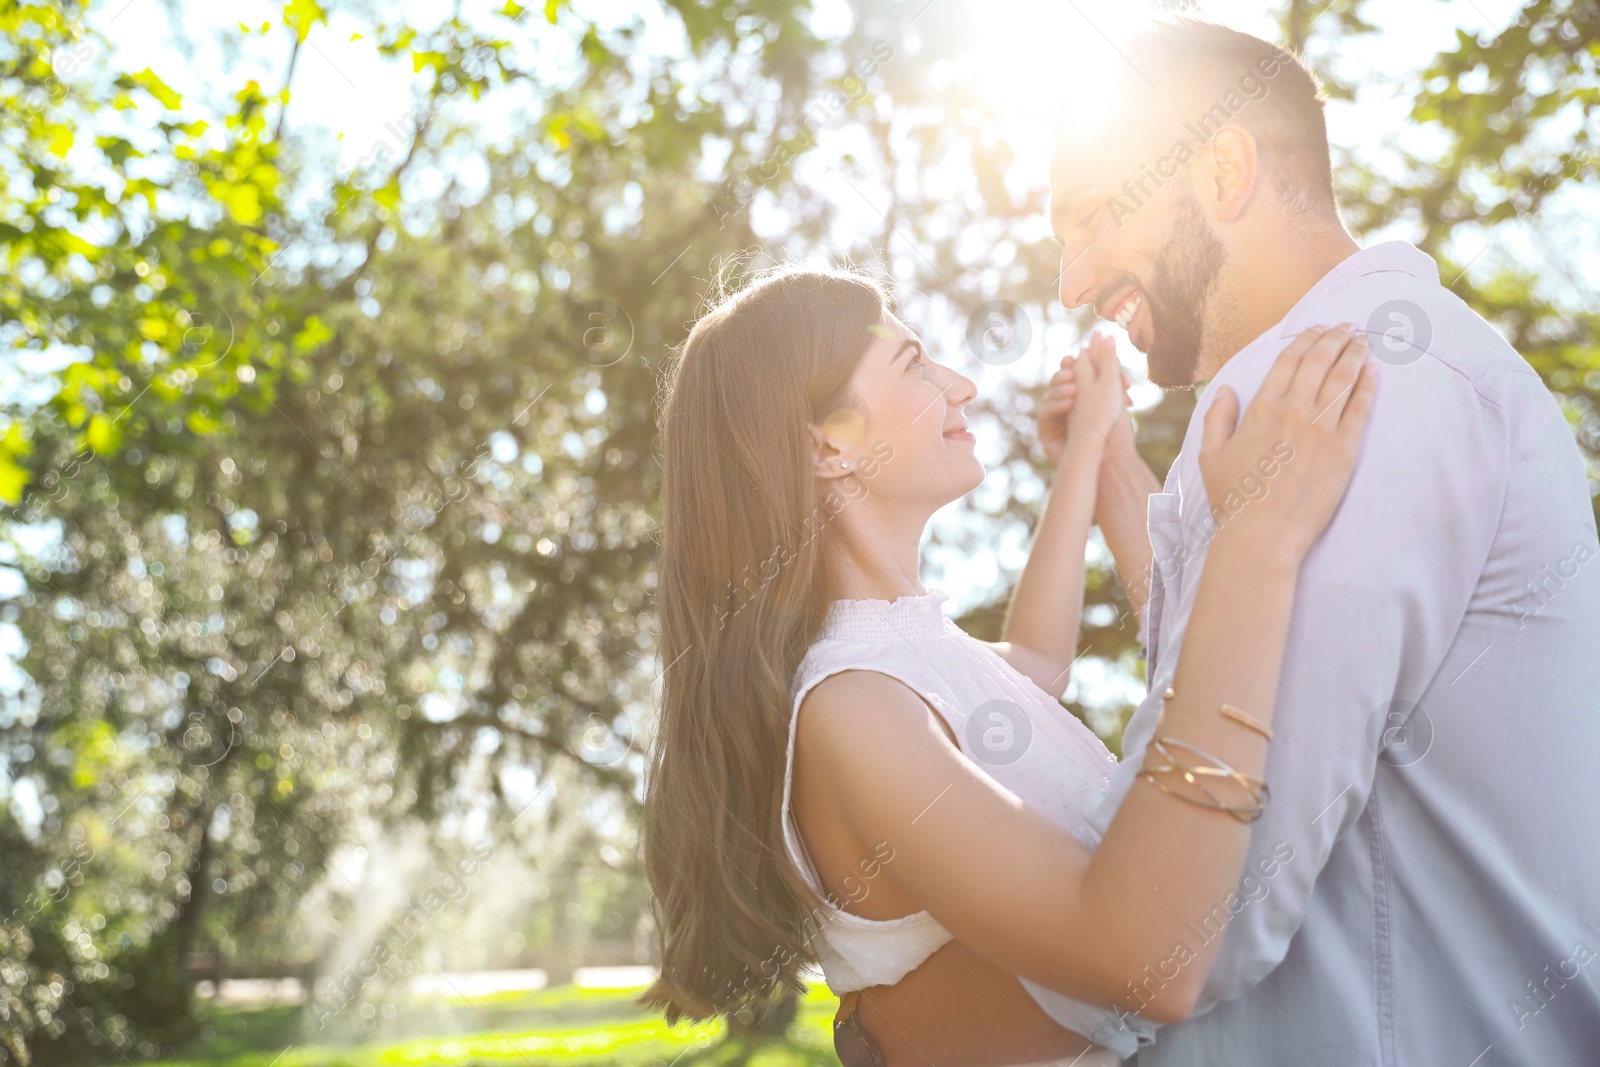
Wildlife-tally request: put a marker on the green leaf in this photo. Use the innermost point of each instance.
(312, 334)
(102, 434)
(61, 138)
(201, 423)
(301, 15)
(242, 201)
(165, 95)
(420, 59)
(13, 480)
(15, 442)
(388, 196)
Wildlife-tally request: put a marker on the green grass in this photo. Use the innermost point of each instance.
(566, 1025)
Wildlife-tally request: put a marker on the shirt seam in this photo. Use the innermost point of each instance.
(1382, 957)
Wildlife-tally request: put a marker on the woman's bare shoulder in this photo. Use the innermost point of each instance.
(863, 713)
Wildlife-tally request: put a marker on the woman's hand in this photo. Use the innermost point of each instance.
(1091, 379)
(1279, 473)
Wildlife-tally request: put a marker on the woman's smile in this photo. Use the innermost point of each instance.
(959, 432)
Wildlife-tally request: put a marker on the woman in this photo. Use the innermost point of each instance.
(840, 774)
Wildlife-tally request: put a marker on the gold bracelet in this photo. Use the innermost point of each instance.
(1166, 699)
(1253, 787)
(1247, 721)
(1240, 814)
(1256, 787)
(1238, 715)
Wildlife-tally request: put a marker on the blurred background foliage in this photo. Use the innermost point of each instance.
(329, 493)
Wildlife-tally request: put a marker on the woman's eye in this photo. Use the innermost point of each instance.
(915, 361)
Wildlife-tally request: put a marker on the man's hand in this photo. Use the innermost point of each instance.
(960, 1010)
(1061, 397)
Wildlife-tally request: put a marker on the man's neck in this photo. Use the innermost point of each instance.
(1280, 273)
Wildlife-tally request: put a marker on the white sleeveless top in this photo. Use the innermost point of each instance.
(1005, 723)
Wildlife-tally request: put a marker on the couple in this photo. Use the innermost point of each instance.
(1351, 822)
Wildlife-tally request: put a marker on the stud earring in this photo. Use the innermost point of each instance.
(844, 464)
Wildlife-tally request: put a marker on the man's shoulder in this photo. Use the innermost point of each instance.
(1411, 319)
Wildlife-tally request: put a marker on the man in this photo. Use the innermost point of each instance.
(1423, 886)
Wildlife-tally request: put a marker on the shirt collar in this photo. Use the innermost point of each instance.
(1388, 257)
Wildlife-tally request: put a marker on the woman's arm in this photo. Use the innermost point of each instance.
(1122, 504)
(1040, 635)
(959, 1010)
(1004, 879)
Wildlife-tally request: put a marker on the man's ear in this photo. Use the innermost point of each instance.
(1229, 173)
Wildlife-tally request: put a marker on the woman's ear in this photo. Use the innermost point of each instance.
(834, 440)
(827, 454)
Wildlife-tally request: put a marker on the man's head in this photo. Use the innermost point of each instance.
(1168, 200)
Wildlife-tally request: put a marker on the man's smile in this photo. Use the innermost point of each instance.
(1123, 308)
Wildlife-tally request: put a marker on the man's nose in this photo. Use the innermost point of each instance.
(1077, 277)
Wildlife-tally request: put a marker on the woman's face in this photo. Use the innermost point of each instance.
(904, 432)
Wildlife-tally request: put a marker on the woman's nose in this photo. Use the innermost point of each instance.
(961, 389)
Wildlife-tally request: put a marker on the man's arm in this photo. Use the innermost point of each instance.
(1121, 510)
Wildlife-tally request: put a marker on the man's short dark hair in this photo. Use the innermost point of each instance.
(1185, 78)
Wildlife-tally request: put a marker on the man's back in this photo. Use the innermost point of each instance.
(1422, 888)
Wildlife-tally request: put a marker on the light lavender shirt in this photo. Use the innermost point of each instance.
(1424, 886)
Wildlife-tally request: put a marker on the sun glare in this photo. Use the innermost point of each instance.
(1039, 59)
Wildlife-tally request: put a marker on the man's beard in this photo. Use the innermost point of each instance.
(1180, 293)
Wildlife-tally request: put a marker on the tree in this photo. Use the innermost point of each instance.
(350, 506)
(333, 494)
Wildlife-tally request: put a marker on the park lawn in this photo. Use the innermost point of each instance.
(566, 1025)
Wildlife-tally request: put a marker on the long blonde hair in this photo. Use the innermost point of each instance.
(742, 594)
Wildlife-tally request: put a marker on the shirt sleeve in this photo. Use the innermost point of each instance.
(1378, 603)
(1118, 1031)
